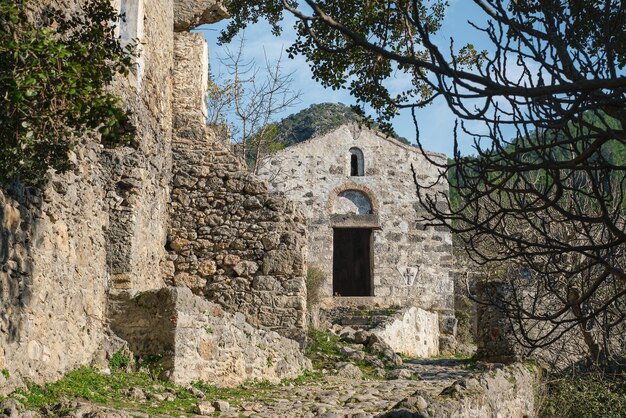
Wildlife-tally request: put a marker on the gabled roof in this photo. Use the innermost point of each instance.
(379, 134)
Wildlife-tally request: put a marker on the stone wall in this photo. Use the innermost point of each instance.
(138, 177)
(410, 261)
(229, 239)
(413, 332)
(198, 341)
(495, 337)
(502, 392)
(101, 225)
(53, 276)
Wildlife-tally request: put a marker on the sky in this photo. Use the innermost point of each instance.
(436, 121)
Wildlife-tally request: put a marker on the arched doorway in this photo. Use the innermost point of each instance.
(352, 244)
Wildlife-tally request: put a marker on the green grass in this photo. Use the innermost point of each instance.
(90, 384)
(119, 361)
(109, 390)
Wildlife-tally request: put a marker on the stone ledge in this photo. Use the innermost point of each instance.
(502, 392)
(355, 221)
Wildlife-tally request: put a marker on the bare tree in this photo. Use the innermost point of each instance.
(545, 190)
(248, 100)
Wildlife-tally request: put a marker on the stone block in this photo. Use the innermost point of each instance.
(412, 331)
(246, 268)
(201, 342)
(207, 268)
(231, 260)
(282, 262)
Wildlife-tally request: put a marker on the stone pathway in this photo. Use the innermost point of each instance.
(336, 397)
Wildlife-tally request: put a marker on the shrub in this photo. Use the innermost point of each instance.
(119, 361)
(53, 86)
(586, 396)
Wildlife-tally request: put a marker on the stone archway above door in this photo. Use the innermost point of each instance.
(353, 205)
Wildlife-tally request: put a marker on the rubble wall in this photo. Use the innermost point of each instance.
(98, 226)
(229, 238)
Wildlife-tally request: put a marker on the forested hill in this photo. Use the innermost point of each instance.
(315, 120)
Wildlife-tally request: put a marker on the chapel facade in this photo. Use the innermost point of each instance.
(365, 225)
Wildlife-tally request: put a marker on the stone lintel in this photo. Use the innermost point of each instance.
(355, 221)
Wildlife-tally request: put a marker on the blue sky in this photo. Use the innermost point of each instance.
(435, 122)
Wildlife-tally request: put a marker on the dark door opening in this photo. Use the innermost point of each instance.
(352, 262)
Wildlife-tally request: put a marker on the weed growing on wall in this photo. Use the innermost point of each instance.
(53, 86)
(315, 279)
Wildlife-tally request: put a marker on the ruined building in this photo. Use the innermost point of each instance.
(170, 247)
(169, 244)
(364, 223)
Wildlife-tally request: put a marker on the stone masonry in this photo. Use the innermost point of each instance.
(98, 233)
(229, 238)
(96, 228)
(356, 178)
(495, 337)
(198, 341)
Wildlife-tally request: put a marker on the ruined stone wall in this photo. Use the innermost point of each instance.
(229, 239)
(198, 341)
(500, 392)
(54, 276)
(102, 222)
(139, 176)
(413, 332)
(317, 171)
(495, 339)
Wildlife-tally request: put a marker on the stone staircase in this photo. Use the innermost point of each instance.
(358, 318)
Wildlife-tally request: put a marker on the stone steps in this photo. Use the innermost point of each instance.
(359, 318)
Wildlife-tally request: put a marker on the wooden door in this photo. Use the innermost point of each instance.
(352, 262)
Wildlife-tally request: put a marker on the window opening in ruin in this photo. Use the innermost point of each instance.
(352, 263)
(354, 165)
(131, 30)
(357, 163)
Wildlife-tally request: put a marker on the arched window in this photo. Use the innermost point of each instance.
(353, 202)
(357, 163)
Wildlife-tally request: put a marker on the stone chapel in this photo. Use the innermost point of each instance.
(364, 221)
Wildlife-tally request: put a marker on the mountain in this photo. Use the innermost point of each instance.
(318, 119)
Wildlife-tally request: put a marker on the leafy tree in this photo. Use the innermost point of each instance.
(542, 191)
(53, 86)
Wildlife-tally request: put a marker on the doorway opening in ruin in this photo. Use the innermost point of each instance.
(352, 262)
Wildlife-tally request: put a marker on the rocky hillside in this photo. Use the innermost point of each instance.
(315, 120)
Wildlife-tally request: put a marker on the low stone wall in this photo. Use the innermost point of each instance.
(507, 392)
(413, 331)
(198, 341)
